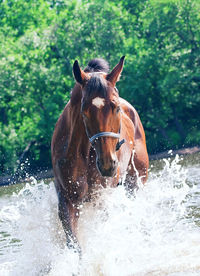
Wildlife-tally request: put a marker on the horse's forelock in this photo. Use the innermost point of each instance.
(97, 65)
(96, 84)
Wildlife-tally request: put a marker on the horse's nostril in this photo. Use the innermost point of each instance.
(114, 162)
(107, 168)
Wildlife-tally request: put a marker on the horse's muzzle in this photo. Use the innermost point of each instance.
(108, 168)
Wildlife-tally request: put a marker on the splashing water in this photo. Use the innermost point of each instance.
(155, 233)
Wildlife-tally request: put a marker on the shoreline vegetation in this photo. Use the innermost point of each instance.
(48, 174)
(161, 75)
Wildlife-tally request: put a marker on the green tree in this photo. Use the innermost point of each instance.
(39, 41)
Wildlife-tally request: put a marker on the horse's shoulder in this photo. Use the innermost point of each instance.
(128, 109)
(131, 112)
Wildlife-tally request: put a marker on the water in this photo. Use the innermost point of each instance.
(157, 232)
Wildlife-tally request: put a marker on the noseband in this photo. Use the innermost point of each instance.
(103, 134)
(108, 134)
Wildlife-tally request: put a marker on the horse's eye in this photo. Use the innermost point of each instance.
(118, 109)
(112, 104)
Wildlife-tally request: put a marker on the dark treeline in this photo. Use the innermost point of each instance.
(39, 41)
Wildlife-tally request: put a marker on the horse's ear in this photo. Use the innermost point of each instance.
(79, 75)
(114, 76)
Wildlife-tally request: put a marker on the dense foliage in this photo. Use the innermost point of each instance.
(40, 39)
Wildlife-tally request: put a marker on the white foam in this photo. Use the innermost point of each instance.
(155, 233)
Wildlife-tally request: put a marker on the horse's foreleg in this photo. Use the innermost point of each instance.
(68, 214)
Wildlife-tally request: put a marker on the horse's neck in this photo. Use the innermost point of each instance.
(76, 95)
(78, 139)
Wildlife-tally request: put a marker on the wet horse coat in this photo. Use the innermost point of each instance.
(96, 138)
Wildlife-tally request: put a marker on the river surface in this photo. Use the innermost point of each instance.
(156, 232)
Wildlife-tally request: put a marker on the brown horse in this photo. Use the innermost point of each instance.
(96, 138)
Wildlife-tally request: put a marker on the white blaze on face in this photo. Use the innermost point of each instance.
(98, 102)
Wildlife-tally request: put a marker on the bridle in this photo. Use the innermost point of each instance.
(107, 134)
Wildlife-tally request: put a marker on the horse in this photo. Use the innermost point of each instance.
(97, 140)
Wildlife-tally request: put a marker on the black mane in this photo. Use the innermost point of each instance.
(97, 65)
(96, 83)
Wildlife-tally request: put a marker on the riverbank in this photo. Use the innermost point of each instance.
(11, 180)
(171, 153)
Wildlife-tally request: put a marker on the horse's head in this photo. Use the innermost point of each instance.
(101, 114)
